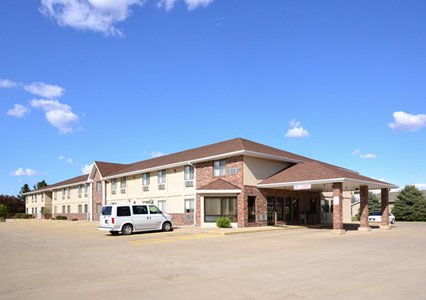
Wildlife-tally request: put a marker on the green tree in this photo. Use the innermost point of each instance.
(3, 212)
(410, 205)
(40, 184)
(24, 189)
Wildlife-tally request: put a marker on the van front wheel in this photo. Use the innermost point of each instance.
(127, 229)
(167, 226)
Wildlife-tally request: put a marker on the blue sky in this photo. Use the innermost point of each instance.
(122, 81)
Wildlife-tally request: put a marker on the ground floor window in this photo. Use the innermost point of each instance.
(69, 209)
(251, 200)
(189, 206)
(85, 208)
(80, 208)
(63, 209)
(215, 207)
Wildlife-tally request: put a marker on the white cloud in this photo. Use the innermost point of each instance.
(356, 152)
(420, 186)
(406, 122)
(45, 90)
(368, 156)
(58, 114)
(86, 169)
(67, 160)
(18, 111)
(94, 15)
(6, 83)
(193, 4)
(155, 154)
(23, 172)
(296, 131)
(166, 4)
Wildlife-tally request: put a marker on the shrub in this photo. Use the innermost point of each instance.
(61, 218)
(3, 212)
(223, 222)
(22, 216)
(74, 219)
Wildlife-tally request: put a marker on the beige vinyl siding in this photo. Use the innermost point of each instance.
(257, 169)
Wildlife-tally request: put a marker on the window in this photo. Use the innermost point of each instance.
(220, 207)
(35, 197)
(42, 197)
(219, 167)
(86, 188)
(161, 176)
(146, 179)
(162, 205)
(189, 205)
(251, 200)
(140, 210)
(68, 192)
(123, 184)
(154, 210)
(80, 189)
(123, 211)
(279, 206)
(106, 210)
(313, 206)
(32, 197)
(113, 185)
(98, 187)
(69, 209)
(189, 172)
(63, 209)
(63, 194)
(80, 208)
(55, 194)
(85, 208)
(55, 209)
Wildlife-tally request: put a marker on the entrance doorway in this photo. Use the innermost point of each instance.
(291, 210)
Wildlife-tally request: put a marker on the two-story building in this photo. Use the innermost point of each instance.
(250, 183)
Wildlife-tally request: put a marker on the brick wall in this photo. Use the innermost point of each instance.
(97, 198)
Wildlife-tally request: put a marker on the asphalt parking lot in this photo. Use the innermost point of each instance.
(62, 259)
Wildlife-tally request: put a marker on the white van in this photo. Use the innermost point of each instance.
(130, 218)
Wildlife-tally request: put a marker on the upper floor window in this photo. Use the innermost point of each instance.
(35, 197)
(219, 167)
(189, 172)
(42, 197)
(146, 179)
(63, 193)
(86, 188)
(113, 185)
(123, 182)
(68, 192)
(80, 190)
(55, 194)
(161, 176)
(98, 186)
(32, 197)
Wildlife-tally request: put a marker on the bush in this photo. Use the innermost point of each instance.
(74, 219)
(61, 218)
(223, 222)
(3, 212)
(22, 216)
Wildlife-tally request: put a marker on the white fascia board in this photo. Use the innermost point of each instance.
(56, 187)
(236, 191)
(325, 181)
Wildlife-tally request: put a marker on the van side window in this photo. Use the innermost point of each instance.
(154, 209)
(123, 211)
(140, 210)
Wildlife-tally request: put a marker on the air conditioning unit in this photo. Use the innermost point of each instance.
(146, 188)
(189, 183)
(161, 186)
(123, 191)
(113, 192)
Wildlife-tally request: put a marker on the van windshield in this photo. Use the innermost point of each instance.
(106, 210)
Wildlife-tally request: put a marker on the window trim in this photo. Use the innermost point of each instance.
(221, 171)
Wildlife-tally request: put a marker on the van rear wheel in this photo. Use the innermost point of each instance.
(167, 226)
(127, 229)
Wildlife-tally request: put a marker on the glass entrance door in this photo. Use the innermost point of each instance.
(291, 210)
(271, 210)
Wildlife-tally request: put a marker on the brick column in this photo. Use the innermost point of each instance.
(364, 212)
(385, 209)
(338, 208)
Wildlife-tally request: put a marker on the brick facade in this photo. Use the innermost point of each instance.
(364, 206)
(338, 207)
(96, 197)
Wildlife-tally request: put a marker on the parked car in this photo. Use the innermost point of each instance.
(377, 217)
(131, 218)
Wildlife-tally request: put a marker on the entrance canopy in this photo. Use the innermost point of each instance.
(318, 176)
